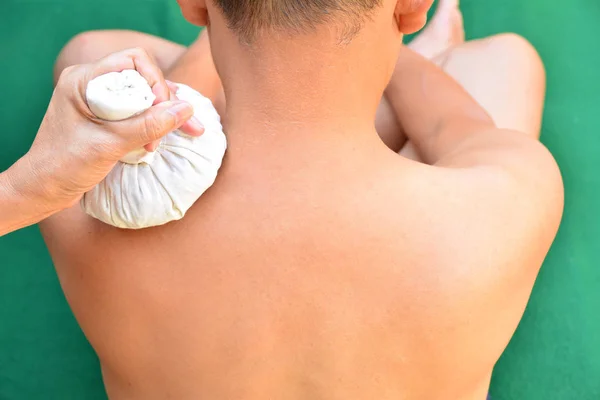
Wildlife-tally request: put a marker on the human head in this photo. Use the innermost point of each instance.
(345, 49)
(250, 18)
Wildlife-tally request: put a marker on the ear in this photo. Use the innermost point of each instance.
(411, 15)
(194, 11)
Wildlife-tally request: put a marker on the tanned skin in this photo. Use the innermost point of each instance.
(322, 264)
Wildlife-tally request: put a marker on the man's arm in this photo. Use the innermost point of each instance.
(434, 111)
(450, 129)
(21, 202)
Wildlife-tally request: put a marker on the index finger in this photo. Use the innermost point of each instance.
(136, 59)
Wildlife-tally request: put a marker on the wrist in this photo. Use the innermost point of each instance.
(27, 184)
(21, 199)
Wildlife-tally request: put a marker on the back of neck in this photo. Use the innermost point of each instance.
(295, 86)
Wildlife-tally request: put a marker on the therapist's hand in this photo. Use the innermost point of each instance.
(74, 151)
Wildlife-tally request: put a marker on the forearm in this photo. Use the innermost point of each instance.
(434, 111)
(20, 206)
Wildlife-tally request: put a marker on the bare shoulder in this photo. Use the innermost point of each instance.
(482, 223)
(498, 191)
(524, 161)
(509, 192)
(471, 234)
(510, 179)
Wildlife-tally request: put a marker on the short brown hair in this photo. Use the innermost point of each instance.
(248, 17)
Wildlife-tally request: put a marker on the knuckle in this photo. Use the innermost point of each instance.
(69, 77)
(68, 72)
(154, 127)
(139, 52)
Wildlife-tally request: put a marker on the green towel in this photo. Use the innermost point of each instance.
(555, 353)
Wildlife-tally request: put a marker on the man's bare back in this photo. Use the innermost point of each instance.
(321, 265)
(357, 273)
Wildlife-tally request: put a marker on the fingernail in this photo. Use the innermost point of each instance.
(172, 86)
(151, 147)
(160, 93)
(195, 124)
(180, 110)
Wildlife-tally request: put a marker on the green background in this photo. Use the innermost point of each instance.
(555, 353)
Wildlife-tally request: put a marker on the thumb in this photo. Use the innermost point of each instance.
(153, 124)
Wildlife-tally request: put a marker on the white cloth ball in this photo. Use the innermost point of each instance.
(151, 189)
